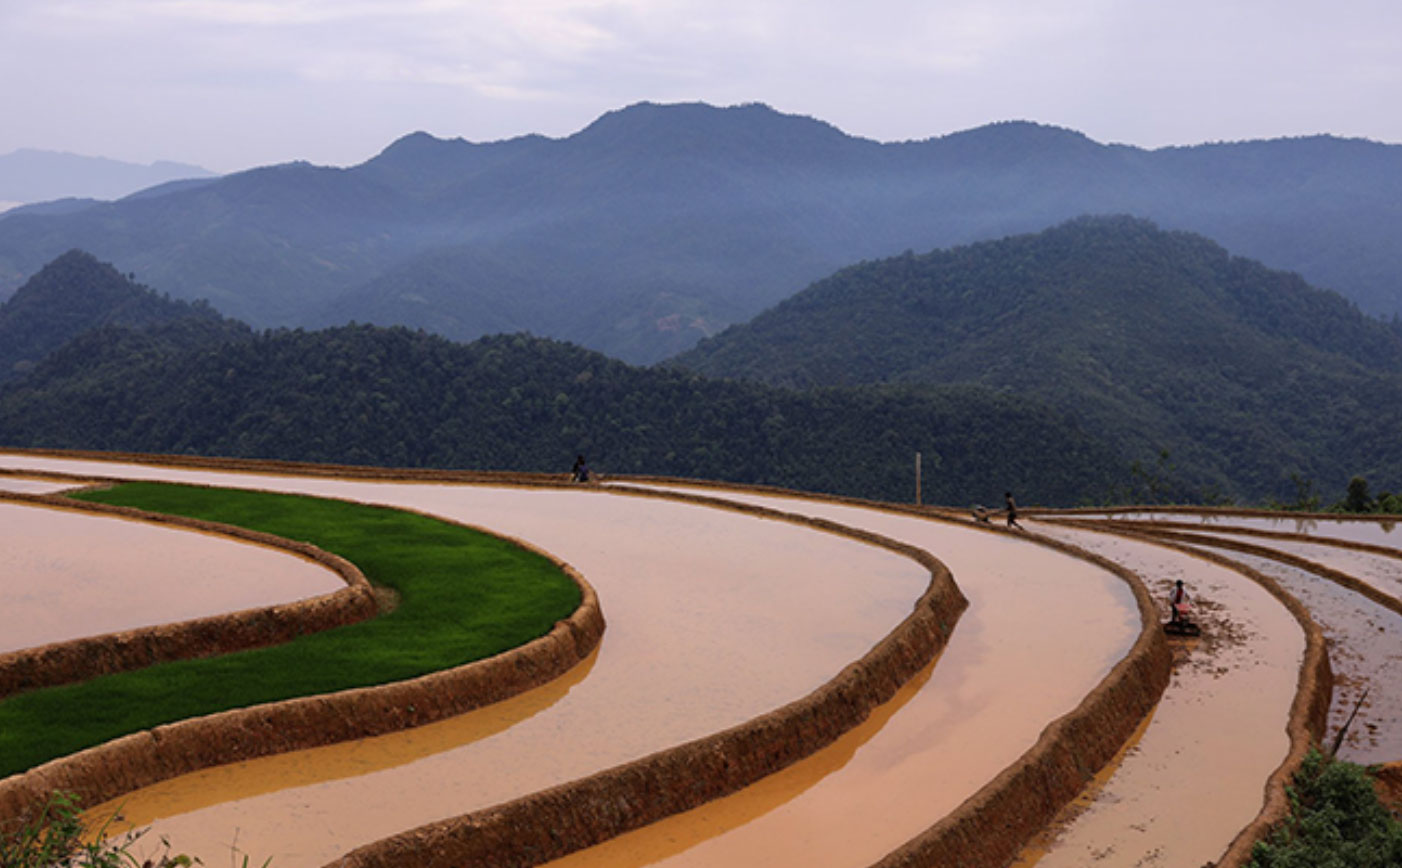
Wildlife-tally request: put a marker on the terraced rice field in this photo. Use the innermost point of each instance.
(717, 617)
(69, 575)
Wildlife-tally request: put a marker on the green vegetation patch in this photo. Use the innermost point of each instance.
(1336, 821)
(464, 595)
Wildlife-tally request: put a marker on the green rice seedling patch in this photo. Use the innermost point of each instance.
(464, 595)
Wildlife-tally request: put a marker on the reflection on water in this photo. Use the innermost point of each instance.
(675, 835)
(693, 595)
(303, 768)
(25, 485)
(66, 574)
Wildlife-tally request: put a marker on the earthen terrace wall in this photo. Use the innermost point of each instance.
(985, 831)
(557, 821)
(1309, 712)
(108, 770)
(87, 657)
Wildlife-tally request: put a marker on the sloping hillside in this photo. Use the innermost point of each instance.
(76, 293)
(1160, 340)
(370, 395)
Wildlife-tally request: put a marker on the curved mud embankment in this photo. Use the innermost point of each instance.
(975, 833)
(869, 679)
(1388, 784)
(1206, 536)
(1245, 530)
(1309, 711)
(991, 827)
(552, 823)
(87, 657)
(120, 766)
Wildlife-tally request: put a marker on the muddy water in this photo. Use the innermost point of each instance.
(22, 485)
(714, 617)
(1196, 776)
(65, 575)
(980, 708)
(1374, 531)
(1382, 572)
(1365, 652)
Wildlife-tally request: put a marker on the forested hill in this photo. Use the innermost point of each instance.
(658, 225)
(370, 395)
(75, 293)
(1159, 340)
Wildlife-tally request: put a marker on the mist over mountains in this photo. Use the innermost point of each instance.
(1102, 360)
(29, 175)
(659, 225)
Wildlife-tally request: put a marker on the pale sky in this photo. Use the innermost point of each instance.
(229, 84)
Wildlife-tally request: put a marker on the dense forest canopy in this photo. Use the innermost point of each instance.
(1158, 341)
(371, 395)
(1103, 360)
(75, 293)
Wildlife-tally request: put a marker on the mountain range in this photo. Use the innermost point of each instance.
(1101, 360)
(659, 225)
(29, 175)
(187, 381)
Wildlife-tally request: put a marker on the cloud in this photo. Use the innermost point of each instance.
(334, 80)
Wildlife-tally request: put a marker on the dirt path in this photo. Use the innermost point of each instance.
(1196, 775)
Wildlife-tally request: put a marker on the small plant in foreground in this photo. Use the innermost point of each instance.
(1335, 821)
(57, 838)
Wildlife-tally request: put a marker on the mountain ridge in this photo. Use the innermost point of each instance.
(30, 175)
(371, 395)
(1152, 338)
(74, 294)
(658, 225)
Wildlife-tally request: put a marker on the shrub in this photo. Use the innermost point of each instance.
(57, 838)
(1336, 821)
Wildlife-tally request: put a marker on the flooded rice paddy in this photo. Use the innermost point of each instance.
(981, 707)
(1220, 727)
(65, 575)
(715, 617)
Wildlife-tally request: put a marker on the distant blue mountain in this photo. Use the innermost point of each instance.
(658, 225)
(29, 176)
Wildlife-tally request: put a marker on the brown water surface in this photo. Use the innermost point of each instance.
(1197, 774)
(66, 574)
(1365, 653)
(24, 485)
(714, 618)
(981, 707)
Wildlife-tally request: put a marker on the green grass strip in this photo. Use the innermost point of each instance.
(464, 595)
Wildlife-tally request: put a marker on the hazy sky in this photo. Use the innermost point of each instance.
(234, 83)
